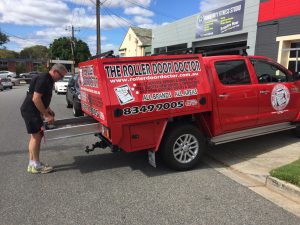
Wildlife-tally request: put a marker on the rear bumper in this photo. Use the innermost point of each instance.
(61, 90)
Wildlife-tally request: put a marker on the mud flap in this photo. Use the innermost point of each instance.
(151, 158)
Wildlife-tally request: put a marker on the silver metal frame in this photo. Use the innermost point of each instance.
(72, 127)
(253, 132)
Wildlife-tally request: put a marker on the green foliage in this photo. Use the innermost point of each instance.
(61, 48)
(35, 52)
(20, 68)
(82, 51)
(289, 173)
(42, 68)
(8, 54)
(3, 38)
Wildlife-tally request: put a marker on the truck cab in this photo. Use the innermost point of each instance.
(250, 92)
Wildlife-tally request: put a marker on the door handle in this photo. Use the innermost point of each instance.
(264, 92)
(223, 95)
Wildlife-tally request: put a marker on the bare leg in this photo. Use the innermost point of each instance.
(34, 146)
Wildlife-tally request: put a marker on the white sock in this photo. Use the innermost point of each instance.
(31, 162)
(36, 163)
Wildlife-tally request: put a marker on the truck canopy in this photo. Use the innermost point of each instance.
(130, 90)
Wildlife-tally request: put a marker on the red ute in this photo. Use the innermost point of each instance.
(176, 103)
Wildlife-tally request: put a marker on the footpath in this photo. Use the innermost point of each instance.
(250, 161)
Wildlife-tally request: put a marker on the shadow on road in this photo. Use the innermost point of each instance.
(236, 152)
(107, 161)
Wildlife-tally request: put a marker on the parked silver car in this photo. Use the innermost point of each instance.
(7, 74)
(6, 83)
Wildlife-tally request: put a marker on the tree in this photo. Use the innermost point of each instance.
(35, 52)
(3, 38)
(61, 48)
(81, 52)
(8, 54)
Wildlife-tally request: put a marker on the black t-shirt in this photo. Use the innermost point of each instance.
(43, 84)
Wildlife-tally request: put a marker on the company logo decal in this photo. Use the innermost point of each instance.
(280, 97)
(124, 94)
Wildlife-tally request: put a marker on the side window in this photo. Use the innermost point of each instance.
(267, 72)
(233, 72)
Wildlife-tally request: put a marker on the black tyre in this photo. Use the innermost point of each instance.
(77, 112)
(11, 87)
(182, 146)
(69, 104)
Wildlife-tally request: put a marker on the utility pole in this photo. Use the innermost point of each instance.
(72, 45)
(98, 26)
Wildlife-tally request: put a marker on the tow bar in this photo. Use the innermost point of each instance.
(99, 144)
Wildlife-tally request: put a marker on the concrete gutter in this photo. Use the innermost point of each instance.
(250, 161)
(283, 186)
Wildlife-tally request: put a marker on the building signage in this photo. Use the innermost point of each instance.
(220, 21)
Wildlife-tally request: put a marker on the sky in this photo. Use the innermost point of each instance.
(39, 22)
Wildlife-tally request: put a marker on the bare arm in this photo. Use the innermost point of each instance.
(37, 100)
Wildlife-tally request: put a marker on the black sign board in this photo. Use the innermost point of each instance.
(220, 21)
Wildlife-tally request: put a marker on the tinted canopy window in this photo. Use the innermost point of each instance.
(233, 72)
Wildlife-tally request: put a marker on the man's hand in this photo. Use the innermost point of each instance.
(49, 118)
(50, 111)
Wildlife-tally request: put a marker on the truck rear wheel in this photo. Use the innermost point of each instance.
(182, 146)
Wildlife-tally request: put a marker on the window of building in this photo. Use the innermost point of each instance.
(233, 72)
(294, 64)
(267, 72)
(3, 65)
(160, 50)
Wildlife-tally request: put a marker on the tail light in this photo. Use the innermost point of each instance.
(105, 132)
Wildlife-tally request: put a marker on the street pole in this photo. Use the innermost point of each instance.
(72, 46)
(98, 26)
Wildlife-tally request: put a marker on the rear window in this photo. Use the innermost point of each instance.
(233, 72)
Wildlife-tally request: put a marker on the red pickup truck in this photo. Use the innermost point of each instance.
(177, 104)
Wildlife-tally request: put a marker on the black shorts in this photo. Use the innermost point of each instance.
(33, 124)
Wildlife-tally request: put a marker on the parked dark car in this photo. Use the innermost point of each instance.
(73, 96)
(28, 75)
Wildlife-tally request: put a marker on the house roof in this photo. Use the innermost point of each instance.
(143, 34)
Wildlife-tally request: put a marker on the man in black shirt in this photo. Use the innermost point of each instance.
(35, 109)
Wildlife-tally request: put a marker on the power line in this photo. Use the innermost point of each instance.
(120, 17)
(122, 26)
(24, 39)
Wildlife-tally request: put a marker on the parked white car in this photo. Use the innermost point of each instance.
(61, 85)
(7, 74)
(6, 83)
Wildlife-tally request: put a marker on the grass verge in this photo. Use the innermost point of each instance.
(289, 173)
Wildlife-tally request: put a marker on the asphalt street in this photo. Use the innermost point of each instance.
(113, 188)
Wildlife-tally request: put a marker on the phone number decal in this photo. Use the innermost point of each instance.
(152, 107)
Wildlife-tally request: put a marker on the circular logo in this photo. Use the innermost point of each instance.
(280, 97)
(200, 19)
